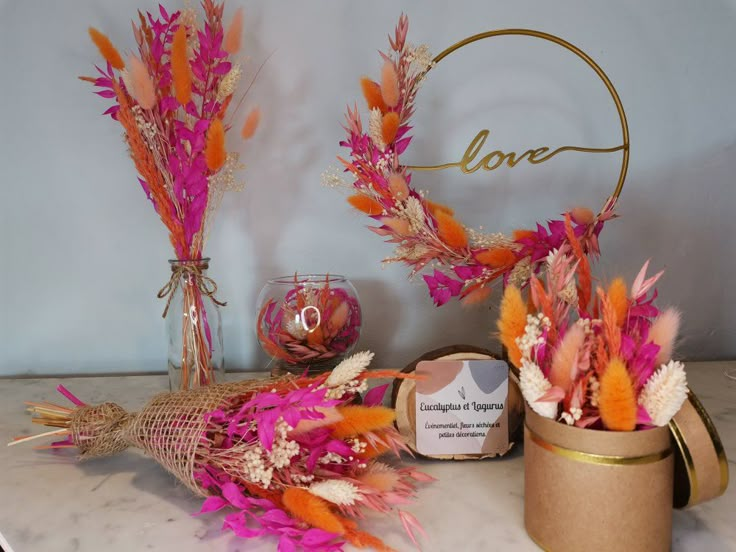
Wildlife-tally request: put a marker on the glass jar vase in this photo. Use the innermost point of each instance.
(308, 322)
(194, 327)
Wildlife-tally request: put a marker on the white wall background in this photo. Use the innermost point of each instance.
(82, 253)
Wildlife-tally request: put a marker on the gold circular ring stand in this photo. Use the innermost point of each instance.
(624, 147)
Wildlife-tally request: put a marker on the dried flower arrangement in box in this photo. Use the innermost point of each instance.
(601, 361)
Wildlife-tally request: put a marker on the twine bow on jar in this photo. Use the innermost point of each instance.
(194, 272)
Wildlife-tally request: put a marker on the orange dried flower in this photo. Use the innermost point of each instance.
(497, 257)
(477, 296)
(435, 208)
(521, 234)
(366, 204)
(617, 399)
(362, 419)
(617, 297)
(108, 51)
(582, 215)
(389, 84)
(372, 94)
(180, 70)
(397, 185)
(312, 509)
(451, 231)
(511, 322)
(234, 33)
(214, 150)
(390, 126)
(251, 123)
(398, 226)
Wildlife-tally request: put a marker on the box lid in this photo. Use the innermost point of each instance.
(701, 467)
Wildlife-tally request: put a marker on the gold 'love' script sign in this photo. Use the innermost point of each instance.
(476, 157)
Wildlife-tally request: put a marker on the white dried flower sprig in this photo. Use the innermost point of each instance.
(532, 334)
(534, 385)
(664, 392)
(342, 493)
(349, 369)
(375, 128)
(332, 178)
(229, 83)
(573, 416)
(413, 212)
(521, 272)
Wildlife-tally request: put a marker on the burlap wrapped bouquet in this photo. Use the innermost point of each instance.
(294, 457)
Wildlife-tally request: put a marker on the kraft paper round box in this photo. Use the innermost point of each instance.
(618, 485)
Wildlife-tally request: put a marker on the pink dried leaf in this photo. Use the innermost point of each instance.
(553, 394)
(212, 504)
(410, 524)
(640, 287)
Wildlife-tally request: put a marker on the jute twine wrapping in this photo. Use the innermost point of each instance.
(170, 428)
(192, 273)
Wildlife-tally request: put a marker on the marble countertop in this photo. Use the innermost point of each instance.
(51, 503)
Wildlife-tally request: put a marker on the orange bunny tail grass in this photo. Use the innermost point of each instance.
(617, 399)
(497, 257)
(231, 43)
(664, 333)
(360, 539)
(585, 287)
(521, 234)
(107, 50)
(180, 71)
(543, 303)
(390, 85)
(143, 90)
(366, 204)
(477, 296)
(582, 215)
(397, 185)
(362, 419)
(435, 208)
(251, 123)
(214, 151)
(390, 126)
(372, 94)
(564, 361)
(451, 231)
(313, 510)
(611, 330)
(511, 322)
(619, 300)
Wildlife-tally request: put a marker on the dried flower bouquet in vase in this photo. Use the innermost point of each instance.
(290, 458)
(597, 373)
(176, 100)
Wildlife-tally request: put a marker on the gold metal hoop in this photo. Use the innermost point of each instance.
(624, 147)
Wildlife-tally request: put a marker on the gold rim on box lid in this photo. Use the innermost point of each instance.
(591, 458)
(696, 479)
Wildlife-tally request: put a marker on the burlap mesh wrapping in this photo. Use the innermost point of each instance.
(170, 428)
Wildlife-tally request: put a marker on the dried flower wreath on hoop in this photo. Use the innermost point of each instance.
(427, 235)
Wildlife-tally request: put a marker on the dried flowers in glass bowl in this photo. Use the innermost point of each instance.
(308, 322)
